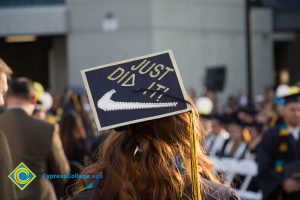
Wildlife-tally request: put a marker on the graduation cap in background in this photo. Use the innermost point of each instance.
(219, 118)
(232, 119)
(136, 90)
(289, 95)
(258, 126)
(292, 98)
(251, 111)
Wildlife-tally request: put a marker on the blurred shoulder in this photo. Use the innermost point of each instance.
(44, 125)
(215, 191)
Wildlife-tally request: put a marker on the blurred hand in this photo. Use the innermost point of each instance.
(290, 185)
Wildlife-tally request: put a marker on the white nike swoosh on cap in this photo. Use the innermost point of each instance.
(107, 104)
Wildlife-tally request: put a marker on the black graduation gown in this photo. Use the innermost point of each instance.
(269, 180)
(212, 190)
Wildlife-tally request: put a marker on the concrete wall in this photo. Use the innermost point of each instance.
(38, 20)
(208, 33)
(89, 45)
(263, 71)
(201, 33)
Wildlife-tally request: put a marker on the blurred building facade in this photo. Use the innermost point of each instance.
(286, 15)
(75, 34)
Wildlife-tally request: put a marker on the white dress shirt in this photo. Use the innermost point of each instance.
(295, 132)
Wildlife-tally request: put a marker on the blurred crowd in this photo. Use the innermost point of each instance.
(234, 129)
(240, 132)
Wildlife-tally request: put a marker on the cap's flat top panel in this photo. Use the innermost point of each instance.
(135, 90)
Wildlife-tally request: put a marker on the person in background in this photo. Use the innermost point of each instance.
(247, 115)
(231, 105)
(74, 140)
(241, 99)
(33, 142)
(268, 110)
(255, 130)
(39, 111)
(217, 136)
(235, 146)
(7, 189)
(73, 136)
(279, 154)
(75, 99)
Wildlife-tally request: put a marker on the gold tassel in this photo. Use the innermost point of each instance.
(194, 162)
(76, 103)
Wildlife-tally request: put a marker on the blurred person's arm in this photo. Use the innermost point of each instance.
(57, 161)
(7, 189)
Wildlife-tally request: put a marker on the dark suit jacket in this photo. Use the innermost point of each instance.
(38, 145)
(268, 153)
(7, 188)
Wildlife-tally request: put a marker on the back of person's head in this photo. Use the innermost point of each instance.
(151, 159)
(71, 130)
(22, 88)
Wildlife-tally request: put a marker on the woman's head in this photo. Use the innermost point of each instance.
(141, 161)
(71, 130)
(236, 132)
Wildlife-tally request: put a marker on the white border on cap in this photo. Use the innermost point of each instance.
(86, 85)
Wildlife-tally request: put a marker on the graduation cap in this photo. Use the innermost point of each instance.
(136, 90)
(258, 126)
(291, 96)
(219, 118)
(232, 119)
(249, 111)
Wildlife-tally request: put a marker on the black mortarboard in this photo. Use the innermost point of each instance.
(219, 118)
(232, 119)
(292, 96)
(135, 90)
(256, 125)
(249, 111)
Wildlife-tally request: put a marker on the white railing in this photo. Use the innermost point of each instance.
(232, 167)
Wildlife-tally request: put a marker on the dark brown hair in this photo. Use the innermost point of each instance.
(152, 172)
(21, 88)
(71, 132)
